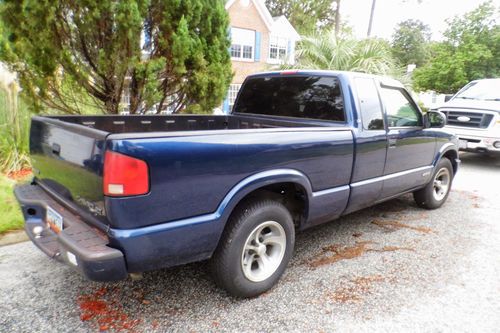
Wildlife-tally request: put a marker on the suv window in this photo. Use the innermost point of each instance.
(401, 112)
(315, 97)
(369, 104)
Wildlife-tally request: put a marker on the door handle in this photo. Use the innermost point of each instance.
(392, 143)
(393, 138)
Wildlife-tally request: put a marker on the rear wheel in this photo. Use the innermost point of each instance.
(255, 248)
(436, 192)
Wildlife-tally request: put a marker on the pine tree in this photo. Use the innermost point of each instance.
(62, 49)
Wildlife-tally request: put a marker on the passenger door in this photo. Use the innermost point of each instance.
(411, 147)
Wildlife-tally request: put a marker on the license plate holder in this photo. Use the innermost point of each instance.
(54, 219)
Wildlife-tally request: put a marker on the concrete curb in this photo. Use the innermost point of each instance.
(13, 237)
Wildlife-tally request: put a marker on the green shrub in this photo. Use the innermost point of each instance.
(14, 135)
(10, 213)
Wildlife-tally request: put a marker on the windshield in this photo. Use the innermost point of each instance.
(486, 90)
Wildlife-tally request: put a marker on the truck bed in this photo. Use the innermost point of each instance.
(67, 155)
(116, 124)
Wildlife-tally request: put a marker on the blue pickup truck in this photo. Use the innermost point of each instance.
(114, 195)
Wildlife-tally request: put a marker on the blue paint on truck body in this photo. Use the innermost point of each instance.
(202, 167)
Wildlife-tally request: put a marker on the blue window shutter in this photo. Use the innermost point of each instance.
(225, 106)
(229, 35)
(257, 45)
(289, 51)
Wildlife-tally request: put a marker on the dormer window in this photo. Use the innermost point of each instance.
(278, 49)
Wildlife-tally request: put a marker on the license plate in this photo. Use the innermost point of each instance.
(462, 144)
(54, 219)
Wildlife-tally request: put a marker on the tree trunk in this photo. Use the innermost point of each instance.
(371, 19)
(111, 106)
(337, 19)
(134, 90)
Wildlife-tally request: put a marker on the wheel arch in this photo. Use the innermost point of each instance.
(289, 186)
(450, 152)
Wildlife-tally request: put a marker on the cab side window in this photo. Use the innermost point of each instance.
(369, 104)
(401, 112)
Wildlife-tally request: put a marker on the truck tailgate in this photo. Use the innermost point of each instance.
(68, 159)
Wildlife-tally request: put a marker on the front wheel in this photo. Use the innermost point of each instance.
(255, 248)
(434, 194)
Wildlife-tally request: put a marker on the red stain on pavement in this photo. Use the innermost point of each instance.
(107, 315)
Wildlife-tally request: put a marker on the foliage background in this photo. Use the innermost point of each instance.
(470, 51)
(10, 213)
(410, 43)
(14, 135)
(164, 52)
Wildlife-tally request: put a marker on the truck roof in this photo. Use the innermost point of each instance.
(347, 74)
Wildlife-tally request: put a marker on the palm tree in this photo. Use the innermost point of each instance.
(372, 12)
(326, 51)
(337, 17)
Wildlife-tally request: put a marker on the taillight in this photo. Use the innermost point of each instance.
(124, 175)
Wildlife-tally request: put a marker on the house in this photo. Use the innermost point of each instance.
(258, 42)
(431, 99)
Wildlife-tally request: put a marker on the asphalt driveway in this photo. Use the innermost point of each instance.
(392, 267)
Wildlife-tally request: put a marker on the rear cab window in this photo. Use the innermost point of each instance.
(370, 107)
(299, 96)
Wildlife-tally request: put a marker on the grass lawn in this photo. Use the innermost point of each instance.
(10, 214)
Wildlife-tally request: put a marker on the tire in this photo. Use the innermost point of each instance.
(434, 194)
(256, 230)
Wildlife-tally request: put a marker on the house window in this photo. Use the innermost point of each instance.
(170, 104)
(125, 101)
(147, 43)
(232, 93)
(278, 48)
(242, 44)
(235, 51)
(247, 52)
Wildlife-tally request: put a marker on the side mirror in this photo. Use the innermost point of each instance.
(434, 119)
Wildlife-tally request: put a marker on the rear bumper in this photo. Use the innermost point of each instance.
(82, 247)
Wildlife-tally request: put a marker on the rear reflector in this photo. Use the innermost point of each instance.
(124, 175)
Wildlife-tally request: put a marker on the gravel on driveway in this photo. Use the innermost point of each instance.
(392, 267)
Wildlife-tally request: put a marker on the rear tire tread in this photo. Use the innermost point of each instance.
(220, 265)
(424, 197)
